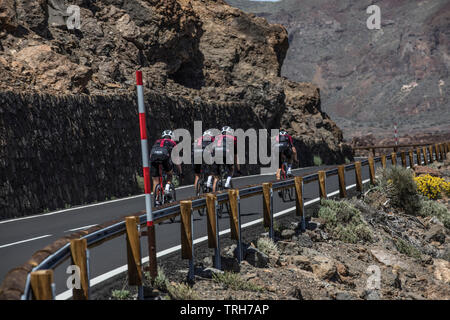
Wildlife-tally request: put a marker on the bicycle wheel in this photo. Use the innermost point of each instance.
(158, 196)
(199, 190)
(171, 197)
(219, 187)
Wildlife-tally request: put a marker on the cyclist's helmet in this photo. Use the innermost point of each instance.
(208, 133)
(283, 133)
(167, 134)
(227, 130)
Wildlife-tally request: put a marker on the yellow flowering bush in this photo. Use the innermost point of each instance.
(432, 187)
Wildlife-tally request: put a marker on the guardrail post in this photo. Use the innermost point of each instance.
(78, 249)
(267, 207)
(383, 161)
(425, 159)
(441, 150)
(134, 253)
(419, 157)
(402, 154)
(187, 242)
(411, 159)
(436, 152)
(235, 226)
(213, 228)
(42, 285)
(430, 151)
(322, 184)
(394, 158)
(299, 203)
(342, 187)
(358, 176)
(373, 152)
(372, 171)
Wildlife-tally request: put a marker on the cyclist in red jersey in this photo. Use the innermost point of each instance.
(225, 142)
(161, 155)
(199, 146)
(287, 151)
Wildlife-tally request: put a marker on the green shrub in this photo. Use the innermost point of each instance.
(408, 249)
(344, 221)
(140, 182)
(234, 281)
(399, 186)
(121, 294)
(161, 282)
(436, 209)
(267, 246)
(317, 161)
(181, 291)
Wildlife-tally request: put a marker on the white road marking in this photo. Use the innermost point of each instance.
(80, 228)
(68, 294)
(22, 241)
(116, 200)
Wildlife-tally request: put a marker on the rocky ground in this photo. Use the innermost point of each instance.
(203, 51)
(398, 256)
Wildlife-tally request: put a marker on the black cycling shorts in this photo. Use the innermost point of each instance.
(167, 166)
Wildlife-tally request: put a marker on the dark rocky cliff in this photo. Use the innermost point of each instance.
(76, 91)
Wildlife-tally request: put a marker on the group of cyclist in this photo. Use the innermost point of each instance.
(217, 146)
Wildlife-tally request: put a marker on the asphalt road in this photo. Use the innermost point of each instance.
(20, 238)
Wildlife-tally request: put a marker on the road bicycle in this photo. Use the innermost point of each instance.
(160, 195)
(224, 173)
(286, 194)
(202, 188)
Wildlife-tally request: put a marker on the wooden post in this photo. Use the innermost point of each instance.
(211, 221)
(267, 207)
(394, 158)
(373, 152)
(441, 150)
(232, 195)
(78, 248)
(133, 252)
(186, 230)
(425, 159)
(419, 157)
(41, 284)
(299, 203)
(430, 151)
(235, 223)
(411, 159)
(383, 161)
(322, 185)
(436, 152)
(342, 187)
(372, 171)
(359, 185)
(403, 155)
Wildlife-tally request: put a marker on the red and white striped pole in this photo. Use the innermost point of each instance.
(147, 187)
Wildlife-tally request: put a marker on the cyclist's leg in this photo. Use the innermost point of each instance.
(215, 173)
(168, 168)
(280, 164)
(197, 173)
(154, 173)
(289, 159)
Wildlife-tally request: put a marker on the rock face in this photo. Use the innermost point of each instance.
(369, 78)
(202, 55)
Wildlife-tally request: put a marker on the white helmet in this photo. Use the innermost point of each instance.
(167, 133)
(283, 133)
(208, 133)
(228, 130)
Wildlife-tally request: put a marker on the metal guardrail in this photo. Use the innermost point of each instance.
(95, 238)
